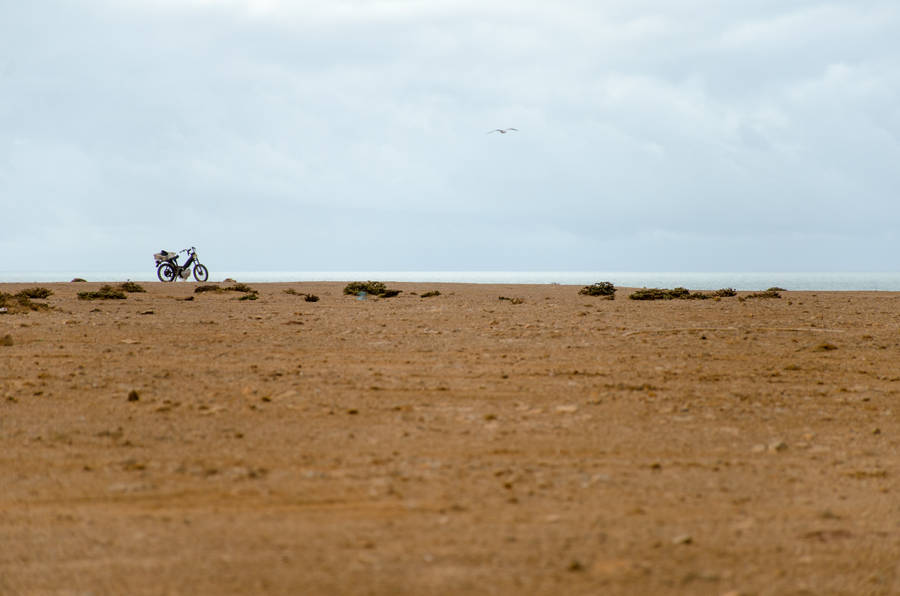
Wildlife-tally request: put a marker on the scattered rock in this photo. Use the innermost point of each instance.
(133, 395)
(683, 539)
(6, 340)
(777, 446)
(825, 347)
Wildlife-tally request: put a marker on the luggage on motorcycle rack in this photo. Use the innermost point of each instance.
(164, 255)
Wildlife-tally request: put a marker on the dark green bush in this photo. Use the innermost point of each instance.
(239, 287)
(376, 288)
(105, 292)
(663, 294)
(307, 297)
(207, 288)
(19, 303)
(770, 293)
(39, 293)
(602, 288)
(430, 294)
(131, 287)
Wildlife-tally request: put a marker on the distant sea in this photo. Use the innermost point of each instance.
(693, 281)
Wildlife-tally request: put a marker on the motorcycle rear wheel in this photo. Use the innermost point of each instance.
(166, 272)
(200, 272)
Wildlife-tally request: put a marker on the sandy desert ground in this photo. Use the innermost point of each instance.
(457, 444)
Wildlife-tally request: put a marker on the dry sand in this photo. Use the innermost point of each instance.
(458, 444)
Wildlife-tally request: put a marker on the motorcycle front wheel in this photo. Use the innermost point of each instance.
(166, 272)
(200, 272)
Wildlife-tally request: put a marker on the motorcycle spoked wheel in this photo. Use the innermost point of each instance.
(166, 272)
(200, 272)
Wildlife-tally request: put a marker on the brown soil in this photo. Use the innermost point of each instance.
(458, 444)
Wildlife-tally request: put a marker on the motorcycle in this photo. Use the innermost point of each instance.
(168, 269)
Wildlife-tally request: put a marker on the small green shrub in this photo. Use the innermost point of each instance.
(650, 294)
(78, 280)
(307, 297)
(239, 287)
(105, 292)
(207, 288)
(430, 294)
(679, 294)
(512, 300)
(376, 288)
(663, 294)
(776, 289)
(19, 303)
(249, 296)
(770, 293)
(601, 288)
(39, 293)
(131, 287)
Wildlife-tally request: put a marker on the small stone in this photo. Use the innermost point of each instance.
(683, 539)
(133, 395)
(6, 340)
(567, 409)
(777, 446)
(876, 431)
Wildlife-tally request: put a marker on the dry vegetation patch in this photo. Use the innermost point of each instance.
(679, 293)
(376, 288)
(106, 292)
(20, 303)
(601, 288)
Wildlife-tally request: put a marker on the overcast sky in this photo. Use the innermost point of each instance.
(654, 135)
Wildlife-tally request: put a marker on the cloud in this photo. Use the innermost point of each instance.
(272, 121)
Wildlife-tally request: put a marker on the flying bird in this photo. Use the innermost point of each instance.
(503, 131)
